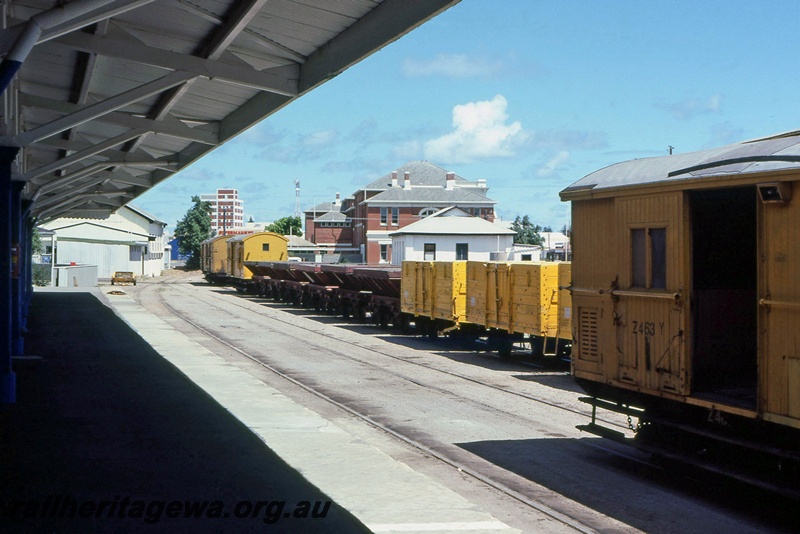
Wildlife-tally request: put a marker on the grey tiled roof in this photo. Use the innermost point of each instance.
(430, 194)
(420, 172)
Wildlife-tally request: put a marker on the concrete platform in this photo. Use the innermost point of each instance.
(108, 436)
(127, 417)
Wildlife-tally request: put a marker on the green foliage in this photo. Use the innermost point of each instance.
(37, 246)
(527, 232)
(41, 274)
(287, 226)
(193, 229)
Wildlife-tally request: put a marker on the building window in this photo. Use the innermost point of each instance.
(384, 216)
(430, 252)
(264, 247)
(395, 216)
(427, 211)
(384, 252)
(462, 251)
(649, 258)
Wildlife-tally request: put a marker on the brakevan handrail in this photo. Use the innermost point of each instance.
(644, 294)
(583, 290)
(778, 303)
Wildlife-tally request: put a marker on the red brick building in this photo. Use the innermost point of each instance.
(361, 224)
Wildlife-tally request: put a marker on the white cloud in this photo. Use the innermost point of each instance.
(481, 132)
(692, 107)
(321, 138)
(556, 161)
(456, 66)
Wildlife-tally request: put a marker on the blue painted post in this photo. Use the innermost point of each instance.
(27, 273)
(17, 346)
(8, 386)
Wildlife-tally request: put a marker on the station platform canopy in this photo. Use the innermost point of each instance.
(107, 98)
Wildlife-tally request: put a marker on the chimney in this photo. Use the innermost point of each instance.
(337, 201)
(394, 178)
(407, 180)
(450, 181)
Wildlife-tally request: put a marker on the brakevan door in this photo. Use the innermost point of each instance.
(724, 266)
(648, 303)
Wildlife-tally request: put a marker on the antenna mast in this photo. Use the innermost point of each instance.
(297, 198)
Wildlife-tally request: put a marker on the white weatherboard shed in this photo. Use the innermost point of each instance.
(128, 240)
(450, 234)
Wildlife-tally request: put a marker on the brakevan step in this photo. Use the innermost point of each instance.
(611, 406)
(604, 432)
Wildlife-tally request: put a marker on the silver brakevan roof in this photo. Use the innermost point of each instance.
(771, 154)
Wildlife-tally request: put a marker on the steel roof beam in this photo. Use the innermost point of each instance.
(242, 14)
(390, 20)
(77, 175)
(275, 49)
(281, 80)
(78, 17)
(91, 150)
(94, 111)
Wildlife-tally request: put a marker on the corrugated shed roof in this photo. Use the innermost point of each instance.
(325, 207)
(295, 241)
(456, 225)
(120, 95)
(331, 216)
(775, 153)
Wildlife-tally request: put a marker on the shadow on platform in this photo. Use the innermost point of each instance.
(107, 436)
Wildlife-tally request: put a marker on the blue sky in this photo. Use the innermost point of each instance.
(529, 95)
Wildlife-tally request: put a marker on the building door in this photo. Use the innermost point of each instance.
(724, 264)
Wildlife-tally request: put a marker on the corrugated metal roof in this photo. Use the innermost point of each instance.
(442, 224)
(775, 153)
(122, 94)
(332, 216)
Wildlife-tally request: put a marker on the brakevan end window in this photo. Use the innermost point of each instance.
(649, 258)
(264, 247)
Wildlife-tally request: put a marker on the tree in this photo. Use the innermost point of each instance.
(287, 226)
(193, 229)
(37, 247)
(527, 232)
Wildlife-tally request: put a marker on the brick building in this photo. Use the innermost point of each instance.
(362, 222)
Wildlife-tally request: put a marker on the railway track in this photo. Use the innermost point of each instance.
(256, 315)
